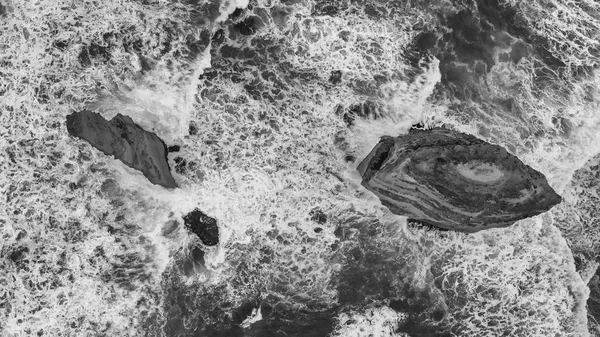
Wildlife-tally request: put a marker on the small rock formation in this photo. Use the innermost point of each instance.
(126, 141)
(204, 226)
(454, 181)
(336, 77)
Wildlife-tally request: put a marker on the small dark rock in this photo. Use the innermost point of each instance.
(203, 226)
(336, 77)
(174, 148)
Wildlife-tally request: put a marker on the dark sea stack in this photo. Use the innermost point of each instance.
(204, 226)
(126, 141)
(454, 181)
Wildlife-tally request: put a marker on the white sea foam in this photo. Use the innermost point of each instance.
(75, 241)
(376, 322)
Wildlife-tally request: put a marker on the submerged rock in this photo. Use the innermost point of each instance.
(204, 226)
(126, 141)
(454, 181)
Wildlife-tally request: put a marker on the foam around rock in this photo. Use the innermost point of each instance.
(454, 181)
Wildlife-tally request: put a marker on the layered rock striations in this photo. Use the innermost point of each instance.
(454, 181)
(122, 138)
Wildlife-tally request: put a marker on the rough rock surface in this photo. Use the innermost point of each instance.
(126, 141)
(204, 226)
(454, 181)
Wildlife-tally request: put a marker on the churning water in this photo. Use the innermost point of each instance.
(274, 103)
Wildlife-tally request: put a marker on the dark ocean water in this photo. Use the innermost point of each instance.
(273, 104)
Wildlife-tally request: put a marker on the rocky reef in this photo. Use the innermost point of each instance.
(454, 181)
(126, 141)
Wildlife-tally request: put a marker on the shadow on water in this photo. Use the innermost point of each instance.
(209, 315)
(375, 273)
(307, 324)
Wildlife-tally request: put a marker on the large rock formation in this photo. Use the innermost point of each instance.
(126, 141)
(454, 181)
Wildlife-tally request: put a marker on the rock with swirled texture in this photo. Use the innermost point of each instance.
(126, 141)
(454, 181)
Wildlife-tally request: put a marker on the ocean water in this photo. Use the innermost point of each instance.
(274, 103)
